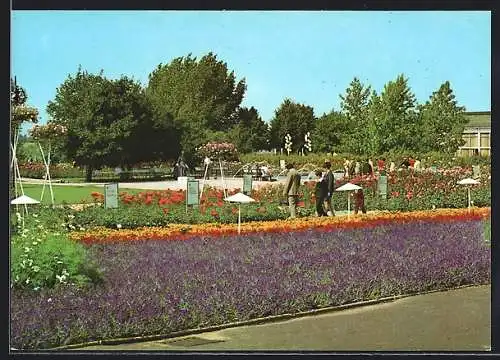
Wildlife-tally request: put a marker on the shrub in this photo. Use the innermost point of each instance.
(43, 259)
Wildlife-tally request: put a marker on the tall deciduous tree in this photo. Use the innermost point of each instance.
(354, 105)
(294, 119)
(395, 117)
(107, 120)
(251, 132)
(190, 97)
(328, 131)
(442, 121)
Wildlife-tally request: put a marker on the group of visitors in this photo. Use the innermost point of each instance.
(366, 167)
(324, 188)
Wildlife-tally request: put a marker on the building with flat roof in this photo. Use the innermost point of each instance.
(477, 134)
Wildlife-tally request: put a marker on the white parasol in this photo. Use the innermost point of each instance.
(348, 187)
(24, 200)
(239, 198)
(468, 181)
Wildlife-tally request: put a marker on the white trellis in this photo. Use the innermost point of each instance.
(14, 166)
(46, 177)
(20, 113)
(221, 152)
(44, 134)
(221, 175)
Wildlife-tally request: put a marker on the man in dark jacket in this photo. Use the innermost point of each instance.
(320, 192)
(330, 181)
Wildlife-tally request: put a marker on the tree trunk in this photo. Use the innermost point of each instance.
(88, 173)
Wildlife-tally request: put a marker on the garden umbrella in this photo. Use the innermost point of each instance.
(468, 181)
(348, 187)
(239, 198)
(24, 200)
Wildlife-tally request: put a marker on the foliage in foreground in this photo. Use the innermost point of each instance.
(42, 258)
(154, 287)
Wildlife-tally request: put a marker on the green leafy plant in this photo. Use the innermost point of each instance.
(43, 258)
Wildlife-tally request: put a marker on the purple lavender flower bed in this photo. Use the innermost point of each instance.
(158, 287)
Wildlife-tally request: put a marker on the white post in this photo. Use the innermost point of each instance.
(478, 142)
(468, 197)
(20, 184)
(203, 182)
(48, 176)
(348, 204)
(45, 176)
(239, 219)
(222, 176)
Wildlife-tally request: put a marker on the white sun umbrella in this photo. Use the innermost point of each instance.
(239, 198)
(24, 200)
(468, 181)
(348, 187)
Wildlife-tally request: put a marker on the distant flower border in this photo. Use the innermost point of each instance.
(186, 231)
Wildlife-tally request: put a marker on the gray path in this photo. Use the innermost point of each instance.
(444, 321)
(229, 183)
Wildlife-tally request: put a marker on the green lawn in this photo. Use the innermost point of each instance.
(67, 194)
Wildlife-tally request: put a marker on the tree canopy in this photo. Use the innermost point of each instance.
(107, 121)
(294, 119)
(442, 121)
(191, 97)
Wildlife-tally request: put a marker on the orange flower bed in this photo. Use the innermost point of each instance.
(186, 231)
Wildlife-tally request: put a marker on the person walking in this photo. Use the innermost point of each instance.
(330, 182)
(321, 192)
(291, 189)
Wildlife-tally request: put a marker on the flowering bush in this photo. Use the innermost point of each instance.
(158, 287)
(57, 171)
(49, 131)
(22, 113)
(224, 151)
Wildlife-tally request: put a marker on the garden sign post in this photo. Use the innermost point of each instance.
(247, 184)
(192, 193)
(382, 186)
(111, 196)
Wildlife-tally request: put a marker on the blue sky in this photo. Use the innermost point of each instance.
(308, 56)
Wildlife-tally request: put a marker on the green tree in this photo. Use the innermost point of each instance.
(251, 132)
(107, 120)
(328, 132)
(442, 122)
(294, 119)
(355, 106)
(395, 117)
(190, 97)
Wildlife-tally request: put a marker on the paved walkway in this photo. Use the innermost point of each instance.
(455, 320)
(229, 183)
